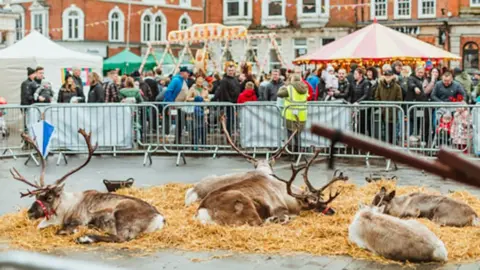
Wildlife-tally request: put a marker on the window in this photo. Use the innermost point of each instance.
(39, 18)
(402, 9)
(20, 22)
(379, 9)
(475, 3)
(470, 57)
(154, 27)
(427, 8)
(116, 21)
(309, 6)
(275, 8)
(73, 23)
(254, 46)
(237, 12)
(299, 47)
(184, 22)
(325, 41)
(185, 3)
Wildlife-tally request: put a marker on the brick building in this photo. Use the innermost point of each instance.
(101, 26)
(303, 25)
(451, 25)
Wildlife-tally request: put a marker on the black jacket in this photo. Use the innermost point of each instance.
(27, 91)
(153, 87)
(361, 91)
(96, 94)
(344, 88)
(78, 83)
(414, 82)
(228, 90)
(65, 96)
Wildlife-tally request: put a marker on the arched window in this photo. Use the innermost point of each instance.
(146, 28)
(184, 22)
(19, 22)
(73, 23)
(470, 57)
(158, 32)
(116, 21)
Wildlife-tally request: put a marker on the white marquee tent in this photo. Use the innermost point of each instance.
(37, 50)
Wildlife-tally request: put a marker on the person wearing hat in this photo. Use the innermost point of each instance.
(389, 90)
(463, 78)
(27, 88)
(177, 92)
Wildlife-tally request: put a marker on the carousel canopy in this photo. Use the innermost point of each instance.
(376, 43)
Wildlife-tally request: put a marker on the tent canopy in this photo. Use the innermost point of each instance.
(376, 43)
(37, 50)
(125, 60)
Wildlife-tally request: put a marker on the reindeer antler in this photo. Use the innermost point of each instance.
(91, 150)
(289, 183)
(223, 119)
(281, 150)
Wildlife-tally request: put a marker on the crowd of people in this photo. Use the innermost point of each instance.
(389, 83)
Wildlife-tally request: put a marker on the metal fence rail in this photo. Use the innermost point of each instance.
(258, 128)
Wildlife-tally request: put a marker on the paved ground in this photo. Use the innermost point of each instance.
(164, 170)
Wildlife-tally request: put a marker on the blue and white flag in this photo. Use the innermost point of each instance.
(43, 133)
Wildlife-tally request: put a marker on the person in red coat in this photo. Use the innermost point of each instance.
(248, 94)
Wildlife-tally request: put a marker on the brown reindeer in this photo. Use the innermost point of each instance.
(440, 209)
(257, 199)
(394, 238)
(122, 217)
(265, 166)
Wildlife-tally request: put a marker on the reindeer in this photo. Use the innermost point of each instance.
(122, 217)
(265, 166)
(394, 238)
(440, 209)
(256, 199)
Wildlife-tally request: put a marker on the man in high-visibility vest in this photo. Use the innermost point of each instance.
(295, 96)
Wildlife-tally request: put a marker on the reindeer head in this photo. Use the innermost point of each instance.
(48, 197)
(265, 165)
(383, 199)
(312, 198)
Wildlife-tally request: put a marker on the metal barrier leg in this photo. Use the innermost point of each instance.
(148, 155)
(215, 152)
(254, 155)
(298, 159)
(367, 162)
(60, 155)
(114, 151)
(11, 152)
(32, 157)
(181, 155)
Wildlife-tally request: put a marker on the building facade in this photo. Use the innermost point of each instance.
(103, 27)
(451, 25)
(300, 26)
(7, 27)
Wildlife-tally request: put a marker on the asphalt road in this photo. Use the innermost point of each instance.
(164, 171)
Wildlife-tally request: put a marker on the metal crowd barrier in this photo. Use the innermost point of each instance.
(258, 128)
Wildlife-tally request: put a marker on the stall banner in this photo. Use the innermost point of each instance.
(83, 75)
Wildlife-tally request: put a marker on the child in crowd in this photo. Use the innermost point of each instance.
(462, 132)
(248, 94)
(44, 93)
(331, 83)
(444, 128)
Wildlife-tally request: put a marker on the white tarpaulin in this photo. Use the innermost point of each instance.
(37, 50)
(261, 126)
(110, 126)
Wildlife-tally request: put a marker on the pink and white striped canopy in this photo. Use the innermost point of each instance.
(376, 43)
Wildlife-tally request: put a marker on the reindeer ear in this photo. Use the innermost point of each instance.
(59, 189)
(383, 190)
(238, 207)
(391, 195)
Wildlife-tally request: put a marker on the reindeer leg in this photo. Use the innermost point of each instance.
(69, 227)
(280, 216)
(94, 238)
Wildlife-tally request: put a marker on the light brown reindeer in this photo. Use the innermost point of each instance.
(122, 217)
(394, 238)
(256, 199)
(265, 166)
(440, 209)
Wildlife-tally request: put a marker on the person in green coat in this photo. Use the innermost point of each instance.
(130, 92)
(465, 80)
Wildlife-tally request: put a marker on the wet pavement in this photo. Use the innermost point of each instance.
(164, 171)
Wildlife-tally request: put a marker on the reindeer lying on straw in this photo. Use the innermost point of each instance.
(440, 209)
(122, 217)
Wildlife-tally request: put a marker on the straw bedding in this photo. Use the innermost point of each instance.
(309, 233)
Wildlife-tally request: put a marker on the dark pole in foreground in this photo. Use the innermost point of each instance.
(448, 164)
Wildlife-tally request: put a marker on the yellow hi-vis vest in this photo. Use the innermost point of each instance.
(295, 104)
